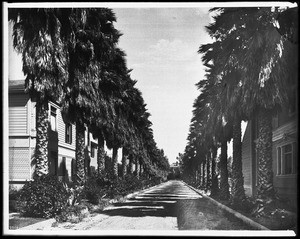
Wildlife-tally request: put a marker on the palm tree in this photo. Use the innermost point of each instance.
(208, 171)
(119, 131)
(124, 161)
(222, 132)
(200, 136)
(143, 146)
(237, 190)
(130, 164)
(214, 176)
(91, 40)
(247, 42)
(100, 155)
(226, 104)
(224, 186)
(37, 36)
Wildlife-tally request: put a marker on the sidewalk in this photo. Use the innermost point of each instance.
(231, 211)
(273, 225)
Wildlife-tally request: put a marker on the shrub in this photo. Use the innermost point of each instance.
(44, 197)
(14, 195)
(105, 185)
(116, 188)
(73, 213)
(76, 193)
(94, 189)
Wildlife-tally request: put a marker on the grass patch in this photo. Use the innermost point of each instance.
(280, 218)
(18, 222)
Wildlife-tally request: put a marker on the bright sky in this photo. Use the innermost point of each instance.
(161, 44)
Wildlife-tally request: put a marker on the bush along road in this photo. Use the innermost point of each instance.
(172, 205)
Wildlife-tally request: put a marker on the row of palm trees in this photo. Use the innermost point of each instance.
(71, 56)
(251, 68)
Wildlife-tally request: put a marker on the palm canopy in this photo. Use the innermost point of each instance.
(247, 43)
(116, 84)
(91, 39)
(37, 34)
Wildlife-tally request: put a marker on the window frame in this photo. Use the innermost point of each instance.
(68, 133)
(53, 114)
(280, 157)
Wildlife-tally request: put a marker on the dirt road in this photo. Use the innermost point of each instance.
(169, 206)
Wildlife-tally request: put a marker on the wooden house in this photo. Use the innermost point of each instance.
(284, 154)
(22, 139)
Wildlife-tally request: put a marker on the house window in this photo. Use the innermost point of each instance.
(53, 118)
(68, 138)
(287, 159)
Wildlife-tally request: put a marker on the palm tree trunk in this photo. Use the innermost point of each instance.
(237, 191)
(115, 162)
(208, 179)
(203, 174)
(199, 174)
(137, 168)
(130, 165)
(214, 177)
(265, 189)
(124, 160)
(224, 186)
(101, 155)
(80, 146)
(141, 169)
(42, 128)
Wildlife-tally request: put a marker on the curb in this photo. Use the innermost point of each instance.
(235, 213)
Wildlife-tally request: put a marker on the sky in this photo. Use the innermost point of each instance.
(161, 43)
(161, 46)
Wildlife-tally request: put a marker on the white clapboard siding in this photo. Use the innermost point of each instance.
(32, 119)
(18, 114)
(61, 127)
(19, 164)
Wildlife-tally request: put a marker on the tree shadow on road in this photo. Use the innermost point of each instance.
(157, 207)
(191, 214)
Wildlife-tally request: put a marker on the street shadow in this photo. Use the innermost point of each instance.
(191, 214)
(161, 202)
(140, 207)
(191, 210)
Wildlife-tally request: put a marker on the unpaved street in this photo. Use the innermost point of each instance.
(169, 206)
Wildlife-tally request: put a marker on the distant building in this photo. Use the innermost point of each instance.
(175, 172)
